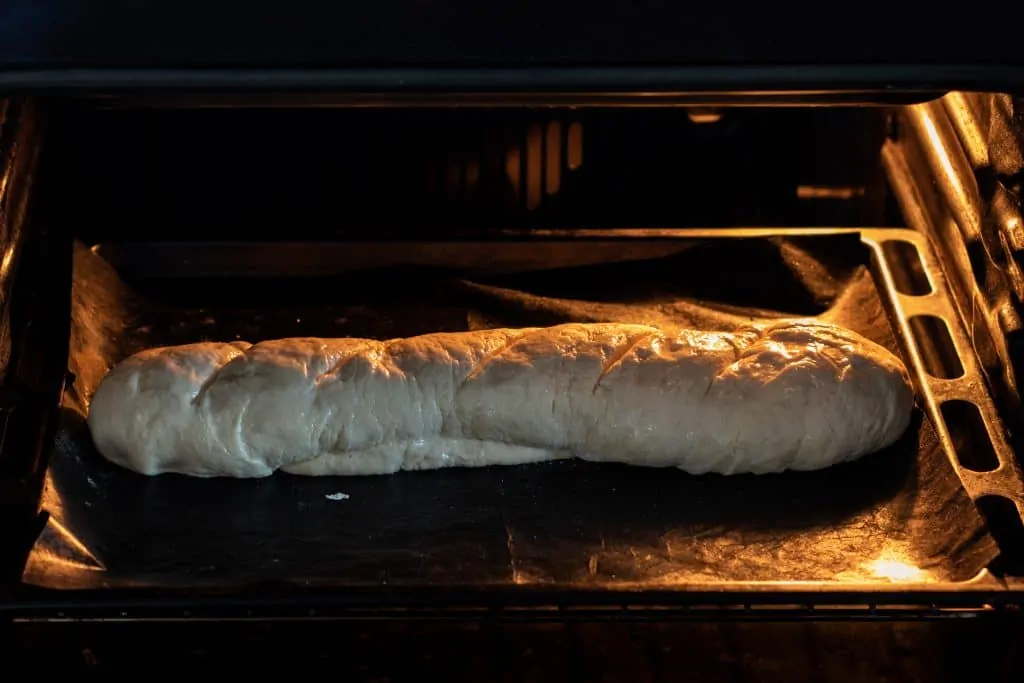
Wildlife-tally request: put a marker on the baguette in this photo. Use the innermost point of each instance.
(791, 395)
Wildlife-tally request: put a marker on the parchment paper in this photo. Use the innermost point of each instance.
(898, 515)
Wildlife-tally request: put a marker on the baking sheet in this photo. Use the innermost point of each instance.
(896, 516)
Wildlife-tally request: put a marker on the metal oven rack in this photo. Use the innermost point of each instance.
(998, 487)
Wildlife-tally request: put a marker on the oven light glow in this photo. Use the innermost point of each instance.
(896, 570)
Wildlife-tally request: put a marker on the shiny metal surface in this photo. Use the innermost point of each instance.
(945, 168)
(19, 151)
(1005, 480)
(950, 165)
(454, 99)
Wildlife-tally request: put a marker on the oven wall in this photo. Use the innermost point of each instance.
(338, 173)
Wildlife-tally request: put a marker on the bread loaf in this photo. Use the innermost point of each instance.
(797, 395)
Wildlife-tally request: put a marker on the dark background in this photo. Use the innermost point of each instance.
(484, 651)
(973, 46)
(133, 33)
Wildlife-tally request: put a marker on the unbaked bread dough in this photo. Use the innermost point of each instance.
(796, 395)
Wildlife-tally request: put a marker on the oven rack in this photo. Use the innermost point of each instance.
(911, 288)
(983, 597)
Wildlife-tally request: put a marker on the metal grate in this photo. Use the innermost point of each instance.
(957, 188)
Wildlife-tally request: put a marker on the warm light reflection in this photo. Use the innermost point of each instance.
(935, 140)
(827, 192)
(553, 158)
(534, 150)
(704, 116)
(5, 265)
(893, 563)
(1013, 224)
(895, 570)
(574, 151)
(513, 162)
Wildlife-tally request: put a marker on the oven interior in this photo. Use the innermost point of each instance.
(380, 173)
(130, 225)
